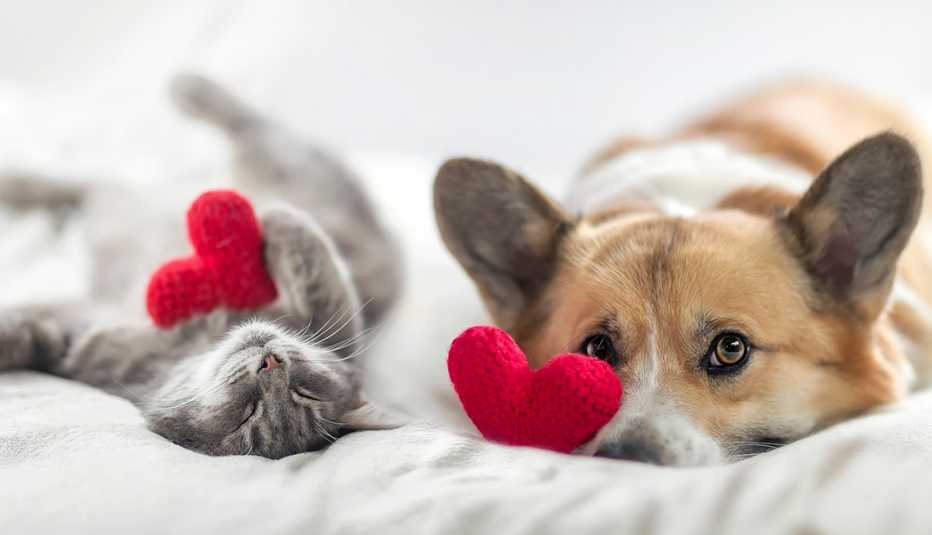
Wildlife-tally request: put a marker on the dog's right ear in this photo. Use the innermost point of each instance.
(504, 232)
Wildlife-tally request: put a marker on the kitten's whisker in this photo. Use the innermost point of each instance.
(330, 327)
(331, 422)
(350, 341)
(357, 352)
(158, 405)
(303, 330)
(323, 431)
(345, 323)
(324, 329)
(238, 375)
(360, 351)
(130, 395)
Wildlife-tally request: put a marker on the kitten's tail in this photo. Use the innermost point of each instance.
(206, 100)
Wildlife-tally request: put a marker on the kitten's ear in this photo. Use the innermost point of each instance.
(504, 232)
(851, 226)
(370, 417)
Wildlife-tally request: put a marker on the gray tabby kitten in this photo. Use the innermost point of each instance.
(271, 382)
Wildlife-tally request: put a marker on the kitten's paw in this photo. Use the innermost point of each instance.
(295, 247)
(306, 267)
(282, 224)
(32, 337)
(16, 343)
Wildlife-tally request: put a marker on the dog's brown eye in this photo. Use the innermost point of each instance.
(601, 347)
(728, 350)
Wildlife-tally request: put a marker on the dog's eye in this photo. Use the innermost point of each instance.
(728, 351)
(601, 347)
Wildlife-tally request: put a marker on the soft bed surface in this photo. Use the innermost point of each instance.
(75, 460)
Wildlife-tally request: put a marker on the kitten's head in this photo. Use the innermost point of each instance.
(263, 392)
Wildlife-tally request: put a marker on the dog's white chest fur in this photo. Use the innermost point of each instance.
(681, 178)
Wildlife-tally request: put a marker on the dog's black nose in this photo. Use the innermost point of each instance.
(630, 450)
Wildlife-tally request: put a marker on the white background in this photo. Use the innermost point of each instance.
(535, 84)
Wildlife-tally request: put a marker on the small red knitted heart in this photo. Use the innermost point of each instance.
(226, 269)
(558, 407)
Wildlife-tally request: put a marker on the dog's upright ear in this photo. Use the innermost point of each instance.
(854, 221)
(505, 233)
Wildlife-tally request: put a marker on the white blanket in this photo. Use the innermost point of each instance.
(75, 460)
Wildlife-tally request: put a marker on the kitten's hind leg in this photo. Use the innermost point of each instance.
(203, 99)
(270, 162)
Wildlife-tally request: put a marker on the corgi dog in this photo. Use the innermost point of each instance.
(754, 277)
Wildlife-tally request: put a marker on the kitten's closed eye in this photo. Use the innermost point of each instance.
(287, 397)
(250, 412)
(303, 394)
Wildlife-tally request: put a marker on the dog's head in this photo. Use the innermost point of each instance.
(738, 329)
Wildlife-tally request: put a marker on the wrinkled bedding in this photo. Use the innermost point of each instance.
(75, 460)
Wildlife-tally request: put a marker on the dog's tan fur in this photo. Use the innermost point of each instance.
(666, 285)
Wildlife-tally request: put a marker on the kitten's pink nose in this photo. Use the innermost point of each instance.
(270, 362)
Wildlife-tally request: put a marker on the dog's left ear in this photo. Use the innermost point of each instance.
(854, 221)
(505, 233)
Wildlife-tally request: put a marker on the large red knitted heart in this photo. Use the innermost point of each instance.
(226, 269)
(558, 407)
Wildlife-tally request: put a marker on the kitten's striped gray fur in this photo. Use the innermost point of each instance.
(202, 383)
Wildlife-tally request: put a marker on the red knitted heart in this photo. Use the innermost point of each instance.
(226, 269)
(558, 407)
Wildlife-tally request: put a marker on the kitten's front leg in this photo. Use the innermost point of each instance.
(315, 285)
(75, 341)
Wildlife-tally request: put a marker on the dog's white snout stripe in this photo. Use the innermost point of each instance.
(650, 417)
